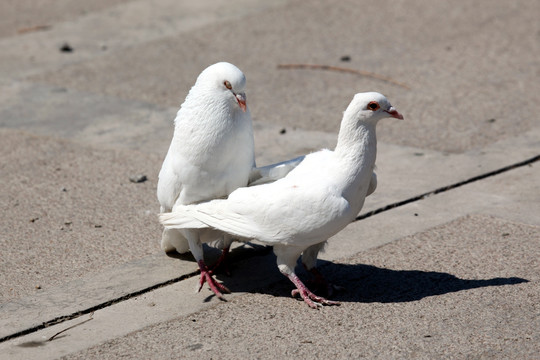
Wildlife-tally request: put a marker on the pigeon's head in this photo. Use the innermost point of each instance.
(371, 107)
(226, 80)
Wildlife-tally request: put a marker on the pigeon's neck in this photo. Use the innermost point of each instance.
(356, 150)
(357, 144)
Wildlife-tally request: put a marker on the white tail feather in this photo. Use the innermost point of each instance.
(180, 219)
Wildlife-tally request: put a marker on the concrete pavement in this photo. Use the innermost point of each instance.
(454, 273)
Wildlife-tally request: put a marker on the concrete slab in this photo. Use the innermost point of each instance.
(69, 210)
(27, 16)
(426, 294)
(104, 28)
(415, 251)
(464, 77)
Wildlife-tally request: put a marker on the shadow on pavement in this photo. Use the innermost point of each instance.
(361, 283)
(367, 283)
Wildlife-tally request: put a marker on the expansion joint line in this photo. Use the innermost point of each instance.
(63, 318)
(449, 187)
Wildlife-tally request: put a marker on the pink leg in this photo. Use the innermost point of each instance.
(310, 298)
(222, 261)
(206, 276)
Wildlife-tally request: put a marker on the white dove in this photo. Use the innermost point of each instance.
(313, 202)
(211, 154)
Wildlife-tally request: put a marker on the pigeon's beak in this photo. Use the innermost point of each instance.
(394, 113)
(241, 98)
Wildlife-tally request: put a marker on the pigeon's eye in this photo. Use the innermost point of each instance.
(227, 84)
(374, 106)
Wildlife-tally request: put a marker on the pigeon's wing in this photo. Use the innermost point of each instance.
(281, 212)
(270, 173)
(372, 184)
(169, 185)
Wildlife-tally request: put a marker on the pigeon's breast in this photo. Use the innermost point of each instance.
(218, 165)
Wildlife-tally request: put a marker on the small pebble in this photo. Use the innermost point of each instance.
(66, 48)
(139, 178)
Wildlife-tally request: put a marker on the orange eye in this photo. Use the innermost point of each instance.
(227, 84)
(374, 106)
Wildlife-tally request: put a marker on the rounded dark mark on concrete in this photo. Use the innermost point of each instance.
(283, 131)
(418, 154)
(66, 48)
(345, 58)
(194, 347)
(59, 90)
(491, 120)
(415, 214)
(31, 344)
(139, 178)
(34, 219)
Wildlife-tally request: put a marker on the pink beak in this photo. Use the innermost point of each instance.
(394, 113)
(241, 98)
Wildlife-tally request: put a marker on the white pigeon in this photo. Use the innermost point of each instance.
(211, 154)
(313, 202)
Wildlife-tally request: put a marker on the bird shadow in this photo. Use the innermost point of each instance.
(256, 264)
(368, 284)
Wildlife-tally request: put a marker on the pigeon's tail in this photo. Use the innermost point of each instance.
(214, 215)
(180, 219)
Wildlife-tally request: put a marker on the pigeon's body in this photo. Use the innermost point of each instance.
(316, 200)
(211, 153)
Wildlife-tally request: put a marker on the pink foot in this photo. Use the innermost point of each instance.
(207, 276)
(222, 262)
(310, 298)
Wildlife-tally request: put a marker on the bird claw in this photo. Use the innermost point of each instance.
(207, 277)
(313, 301)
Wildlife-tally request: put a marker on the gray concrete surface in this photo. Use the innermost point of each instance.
(449, 275)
